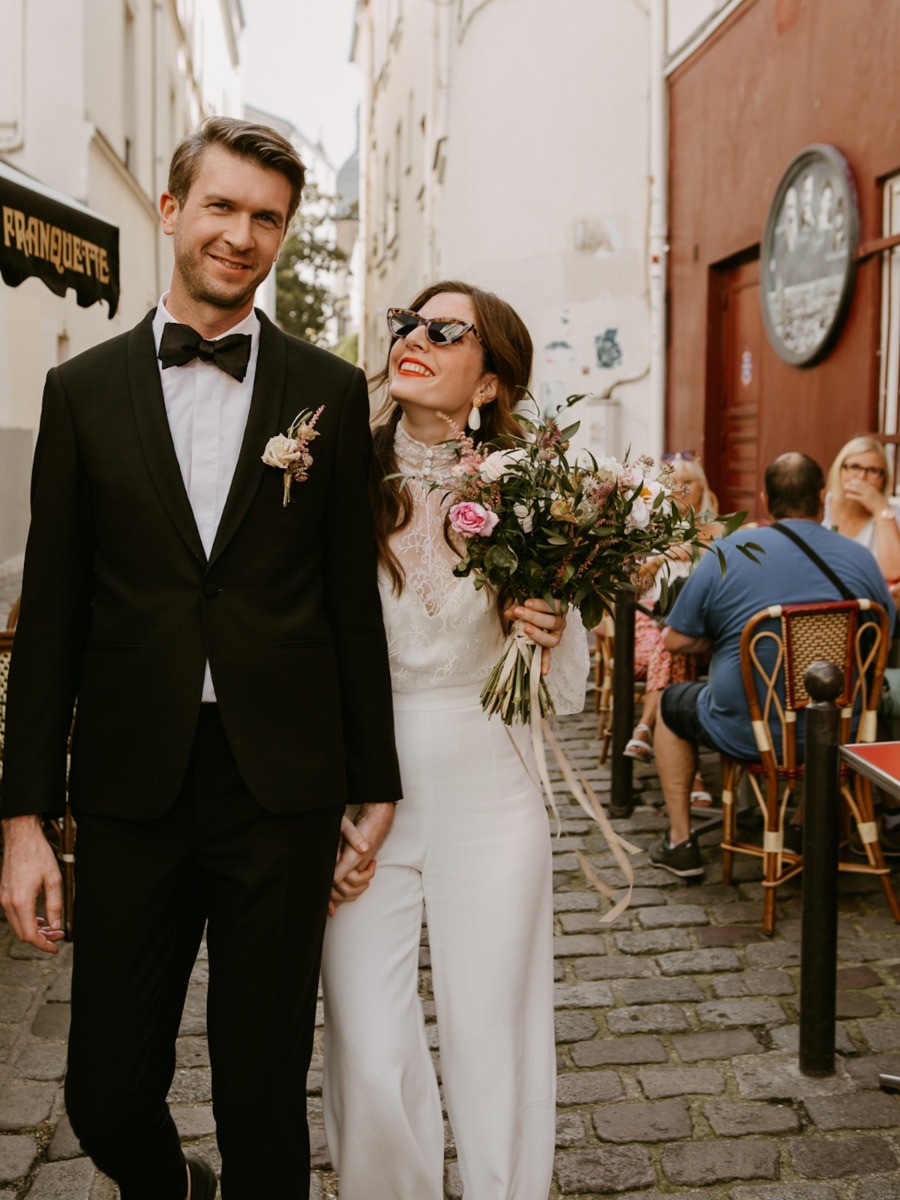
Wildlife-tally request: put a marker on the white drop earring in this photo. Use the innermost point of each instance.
(474, 418)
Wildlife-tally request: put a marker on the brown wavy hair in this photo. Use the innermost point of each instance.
(508, 354)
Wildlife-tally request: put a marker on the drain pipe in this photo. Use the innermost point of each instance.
(657, 241)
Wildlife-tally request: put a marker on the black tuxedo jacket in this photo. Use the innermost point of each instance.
(121, 607)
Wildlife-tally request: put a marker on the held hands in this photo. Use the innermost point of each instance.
(360, 842)
(542, 624)
(29, 869)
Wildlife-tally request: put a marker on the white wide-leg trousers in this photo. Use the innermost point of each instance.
(470, 846)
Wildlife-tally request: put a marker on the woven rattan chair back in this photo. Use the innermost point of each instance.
(778, 645)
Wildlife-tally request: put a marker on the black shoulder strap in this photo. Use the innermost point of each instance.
(820, 563)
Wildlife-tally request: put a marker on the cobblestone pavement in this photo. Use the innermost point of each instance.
(676, 1036)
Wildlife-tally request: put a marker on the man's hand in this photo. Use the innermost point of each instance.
(29, 869)
(360, 842)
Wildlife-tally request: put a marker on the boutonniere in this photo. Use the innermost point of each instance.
(290, 451)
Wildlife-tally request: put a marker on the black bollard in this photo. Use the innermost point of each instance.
(621, 799)
(818, 946)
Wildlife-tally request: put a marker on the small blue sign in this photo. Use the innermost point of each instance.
(609, 352)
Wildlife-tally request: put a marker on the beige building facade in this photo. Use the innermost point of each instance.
(507, 143)
(94, 95)
(523, 146)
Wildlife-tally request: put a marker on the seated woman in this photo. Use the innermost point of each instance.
(652, 662)
(859, 503)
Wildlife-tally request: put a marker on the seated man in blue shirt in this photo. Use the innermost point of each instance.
(710, 613)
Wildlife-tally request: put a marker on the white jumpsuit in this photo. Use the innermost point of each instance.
(470, 850)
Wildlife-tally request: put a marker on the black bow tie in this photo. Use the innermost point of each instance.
(181, 344)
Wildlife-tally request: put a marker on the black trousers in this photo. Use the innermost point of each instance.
(144, 891)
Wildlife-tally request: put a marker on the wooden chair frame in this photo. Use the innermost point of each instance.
(778, 644)
(604, 637)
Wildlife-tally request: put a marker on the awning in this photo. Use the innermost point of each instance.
(46, 234)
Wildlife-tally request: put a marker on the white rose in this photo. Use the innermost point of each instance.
(493, 467)
(280, 452)
(607, 465)
(496, 465)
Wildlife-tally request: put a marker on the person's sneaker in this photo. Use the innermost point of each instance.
(682, 860)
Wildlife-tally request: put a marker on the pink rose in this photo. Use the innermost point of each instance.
(470, 519)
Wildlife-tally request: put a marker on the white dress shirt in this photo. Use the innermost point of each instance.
(207, 411)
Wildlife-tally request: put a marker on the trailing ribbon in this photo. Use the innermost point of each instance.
(587, 798)
(583, 793)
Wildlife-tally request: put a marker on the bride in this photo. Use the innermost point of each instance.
(470, 845)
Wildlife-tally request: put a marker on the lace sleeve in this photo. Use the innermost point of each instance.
(569, 667)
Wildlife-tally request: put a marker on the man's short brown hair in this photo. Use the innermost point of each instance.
(258, 143)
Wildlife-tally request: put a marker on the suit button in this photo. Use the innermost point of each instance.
(210, 591)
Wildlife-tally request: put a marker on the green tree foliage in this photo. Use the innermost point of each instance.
(304, 302)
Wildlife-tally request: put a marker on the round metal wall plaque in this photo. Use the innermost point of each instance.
(808, 255)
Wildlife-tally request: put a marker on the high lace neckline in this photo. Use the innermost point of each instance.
(426, 462)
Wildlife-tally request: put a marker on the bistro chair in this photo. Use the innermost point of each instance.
(778, 644)
(60, 831)
(604, 637)
(604, 680)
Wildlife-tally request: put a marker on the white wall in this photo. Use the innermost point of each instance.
(506, 142)
(94, 95)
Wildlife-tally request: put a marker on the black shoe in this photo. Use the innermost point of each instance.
(682, 860)
(203, 1179)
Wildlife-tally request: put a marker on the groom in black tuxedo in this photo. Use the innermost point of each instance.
(227, 657)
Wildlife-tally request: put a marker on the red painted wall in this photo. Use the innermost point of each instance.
(778, 75)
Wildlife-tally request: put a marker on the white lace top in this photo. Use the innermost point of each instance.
(441, 630)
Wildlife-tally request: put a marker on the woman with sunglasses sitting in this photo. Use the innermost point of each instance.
(859, 503)
(652, 662)
(470, 843)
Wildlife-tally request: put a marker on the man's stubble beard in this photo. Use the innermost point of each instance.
(201, 291)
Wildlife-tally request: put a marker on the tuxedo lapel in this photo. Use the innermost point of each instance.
(262, 423)
(155, 434)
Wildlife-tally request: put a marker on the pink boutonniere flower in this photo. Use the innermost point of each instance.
(290, 452)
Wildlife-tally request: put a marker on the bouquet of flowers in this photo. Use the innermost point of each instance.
(574, 533)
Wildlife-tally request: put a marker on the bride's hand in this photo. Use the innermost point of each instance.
(543, 624)
(360, 842)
